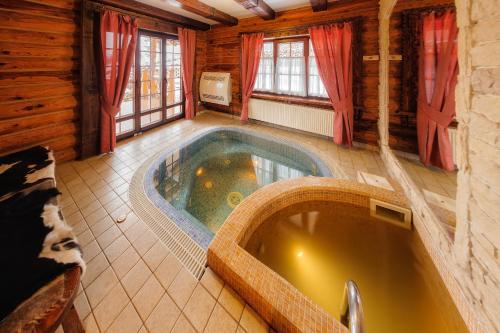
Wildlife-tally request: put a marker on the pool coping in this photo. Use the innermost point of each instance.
(164, 219)
(275, 299)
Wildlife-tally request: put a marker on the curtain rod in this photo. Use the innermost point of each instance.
(303, 27)
(99, 7)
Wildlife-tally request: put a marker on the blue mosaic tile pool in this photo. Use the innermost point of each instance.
(199, 184)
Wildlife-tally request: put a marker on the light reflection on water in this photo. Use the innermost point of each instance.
(207, 183)
(317, 246)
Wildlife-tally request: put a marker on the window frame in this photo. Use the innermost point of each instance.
(137, 85)
(276, 41)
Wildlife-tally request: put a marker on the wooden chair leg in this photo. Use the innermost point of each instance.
(71, 323)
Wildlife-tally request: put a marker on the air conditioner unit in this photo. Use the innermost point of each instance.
(215, 87)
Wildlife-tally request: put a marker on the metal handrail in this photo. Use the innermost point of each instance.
(351, 309)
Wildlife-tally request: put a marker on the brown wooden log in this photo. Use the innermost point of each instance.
(319, 5)
(204, 10)
(258, 7)
(144, 9)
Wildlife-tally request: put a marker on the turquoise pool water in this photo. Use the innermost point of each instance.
(204, 180)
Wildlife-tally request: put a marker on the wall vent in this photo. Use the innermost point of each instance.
(387, 212)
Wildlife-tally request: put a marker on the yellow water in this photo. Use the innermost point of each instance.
(317, 246)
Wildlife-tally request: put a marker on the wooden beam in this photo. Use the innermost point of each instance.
(199, 8)
(151, 11)
(258, 7)
(319, 5)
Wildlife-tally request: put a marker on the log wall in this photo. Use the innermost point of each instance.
(224, 52)
(39, 76)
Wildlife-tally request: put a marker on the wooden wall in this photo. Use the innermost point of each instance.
(223, 51)
(402, 136)
(39, 75)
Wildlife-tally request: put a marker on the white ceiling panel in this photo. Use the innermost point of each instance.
(173, 7)
(230, 7)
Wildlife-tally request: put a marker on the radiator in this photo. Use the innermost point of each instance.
(304, 118)
(452, 133)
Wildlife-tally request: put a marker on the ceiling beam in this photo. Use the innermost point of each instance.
(199, 8)
(258, 7)
(151, 11)
(319, 5)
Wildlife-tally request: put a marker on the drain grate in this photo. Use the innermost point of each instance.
(189, 253)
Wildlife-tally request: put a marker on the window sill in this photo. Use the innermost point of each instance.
(322, 103)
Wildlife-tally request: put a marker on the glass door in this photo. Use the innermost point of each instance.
(154, 93)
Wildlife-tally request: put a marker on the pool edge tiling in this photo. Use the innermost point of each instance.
(188, 242)
(275, 299)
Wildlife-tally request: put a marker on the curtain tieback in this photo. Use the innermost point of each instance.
(109, 108)
(346, 105)
(434, 113)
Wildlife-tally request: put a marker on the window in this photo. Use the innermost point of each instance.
(316, 86)
(265, 73)
(291, 69)
(154, 93)
(288, 67)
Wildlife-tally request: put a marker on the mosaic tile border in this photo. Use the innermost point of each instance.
(275, 299)
(186, 240)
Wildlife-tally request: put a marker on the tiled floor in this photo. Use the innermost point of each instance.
(133, 283)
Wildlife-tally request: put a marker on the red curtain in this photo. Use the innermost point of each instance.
(187, 39)
(438, 71)
(118, 41)
(332, 47)
(251, 47)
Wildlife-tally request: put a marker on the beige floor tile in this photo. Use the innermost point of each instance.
(199, 307)
(212, 282)
(128, 321)
(125, 262)
(96, 216)
(101, 286)
(183, 326)
(155, 255)
(90, 325)
(114, 204)
(232, 302)
(108, 236)
(82, 305)
(182, 287)
(164, 316)
(85, 237)
(252, 322)
(79, 227)
(100, 227)
(130, 221)
(135, 278)
(105, 195)
(90, 208)
(135, 231)
(115, 249)
(145, 242)
(220, 321)
(94, 268)
(167, 270)
(91, 250)
(110, 307)
(120, 212)
(148, 296)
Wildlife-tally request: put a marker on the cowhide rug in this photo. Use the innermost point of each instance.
(36, 244)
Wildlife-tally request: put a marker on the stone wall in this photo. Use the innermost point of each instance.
(470, 265)
(478, 110)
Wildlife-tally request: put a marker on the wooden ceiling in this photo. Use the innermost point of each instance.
(200, 14)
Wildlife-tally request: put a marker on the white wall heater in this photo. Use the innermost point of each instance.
(304, 118)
